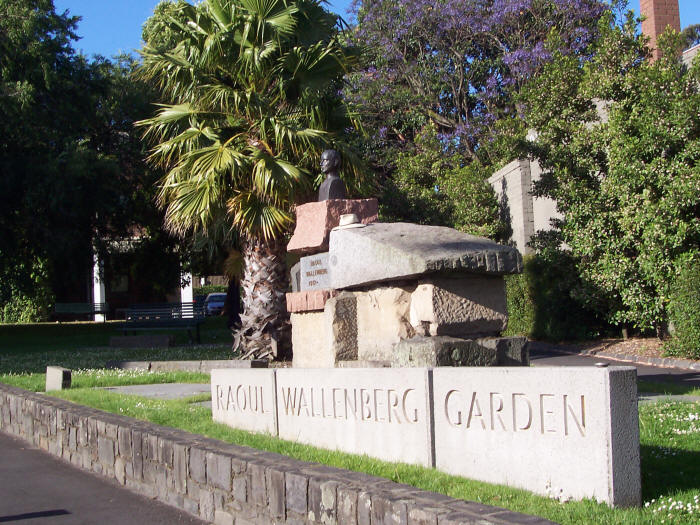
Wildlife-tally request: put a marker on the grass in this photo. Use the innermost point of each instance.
(670, 448)
(26, 349)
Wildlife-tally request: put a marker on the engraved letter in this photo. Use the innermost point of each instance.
(366, 408)
(499, 408)
(241, 406)
(413, 419)
(529, 413)
(458, 420)
(580, 422)
(475, 404)
(219, 397)
(393, 405)
(289, 400)
(543, 413)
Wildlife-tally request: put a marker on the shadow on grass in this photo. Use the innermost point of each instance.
(666, 470)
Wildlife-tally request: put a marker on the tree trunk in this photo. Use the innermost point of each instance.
(265, 331)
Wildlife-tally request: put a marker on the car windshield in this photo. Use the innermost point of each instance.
(216, 297)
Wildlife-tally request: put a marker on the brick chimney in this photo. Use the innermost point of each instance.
(659, 15)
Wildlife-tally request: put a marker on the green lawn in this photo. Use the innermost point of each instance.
(30, 348)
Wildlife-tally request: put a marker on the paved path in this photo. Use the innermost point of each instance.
(543, 354)
(36, 488)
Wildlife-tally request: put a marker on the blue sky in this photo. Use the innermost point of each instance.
(109, 27)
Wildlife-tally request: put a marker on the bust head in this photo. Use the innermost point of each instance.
(330, 162)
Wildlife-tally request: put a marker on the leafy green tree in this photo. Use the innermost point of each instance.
(619, 139)
(252, 90)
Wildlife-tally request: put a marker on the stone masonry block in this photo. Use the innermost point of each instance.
(198, 465)
(470, 304)
(364, 508)
(256, 480)
(206, 505)
(315, 220)
(137, 454)
(219, 470)
(296, 490)
(180, 456)
(322, 501)
(275, 492)
(382, 252)
(105, 451)
(165, 452)
(347, 506)
(124, 442)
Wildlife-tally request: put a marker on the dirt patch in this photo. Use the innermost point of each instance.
(640, 346)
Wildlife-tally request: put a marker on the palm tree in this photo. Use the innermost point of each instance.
(253, 92)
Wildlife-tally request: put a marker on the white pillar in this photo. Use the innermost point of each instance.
(186, 294)
(98, 285)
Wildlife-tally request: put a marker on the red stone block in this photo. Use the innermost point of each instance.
(315, 220)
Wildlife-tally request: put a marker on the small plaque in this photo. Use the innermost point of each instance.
(315, 272)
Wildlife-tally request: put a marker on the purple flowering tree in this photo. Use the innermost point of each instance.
(457, 63)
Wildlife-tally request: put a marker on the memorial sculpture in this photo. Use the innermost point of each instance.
(395, 294)
(332, 187)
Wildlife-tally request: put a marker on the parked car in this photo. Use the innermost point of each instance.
(214, 303)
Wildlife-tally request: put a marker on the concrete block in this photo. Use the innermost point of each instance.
(383, 252)
(379, 412)
(57, 378)
(568, 433)
(245, 399)
(315, 220)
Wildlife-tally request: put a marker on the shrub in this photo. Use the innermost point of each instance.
(210, 288)
(684, 312)
(543, 301)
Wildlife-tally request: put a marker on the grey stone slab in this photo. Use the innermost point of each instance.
(315, 272)
(452, 351)
(567, 433)
(295, 274)
(394, 251)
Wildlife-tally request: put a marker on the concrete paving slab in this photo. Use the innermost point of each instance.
(163, 391)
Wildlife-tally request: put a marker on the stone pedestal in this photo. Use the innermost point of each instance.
(315, 220)
(57, 378)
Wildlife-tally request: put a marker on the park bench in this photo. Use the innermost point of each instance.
(75, 309)
(165, 316)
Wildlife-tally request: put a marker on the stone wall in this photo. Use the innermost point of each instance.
(225, 483)
(525, 213)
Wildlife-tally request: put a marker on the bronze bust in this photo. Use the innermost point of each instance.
(333, 187)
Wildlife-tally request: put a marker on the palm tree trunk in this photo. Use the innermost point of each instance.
(265, 331)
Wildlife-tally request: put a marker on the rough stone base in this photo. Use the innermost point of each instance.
(451, 351)
(141, 341)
